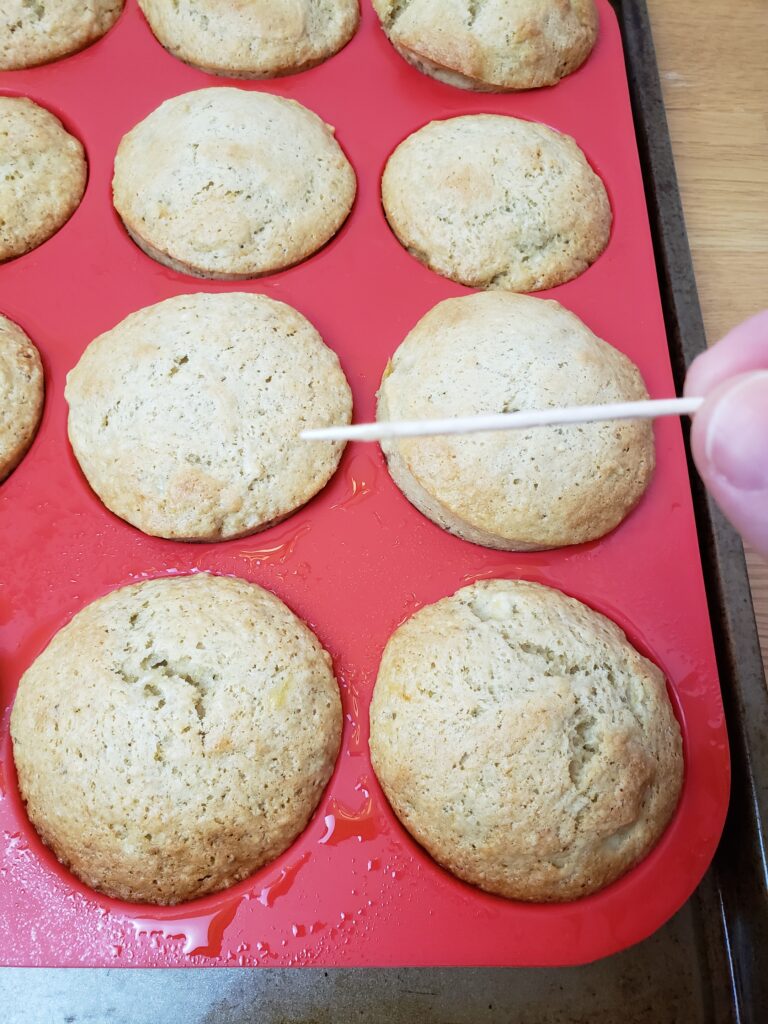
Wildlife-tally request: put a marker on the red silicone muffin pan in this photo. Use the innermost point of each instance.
(354, 889)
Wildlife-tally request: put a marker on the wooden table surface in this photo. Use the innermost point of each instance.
(713, 60)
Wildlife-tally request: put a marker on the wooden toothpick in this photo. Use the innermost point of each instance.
(507, 420)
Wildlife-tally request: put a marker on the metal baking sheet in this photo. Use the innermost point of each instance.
(707, 964)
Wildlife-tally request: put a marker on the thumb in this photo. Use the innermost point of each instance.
(729, 439)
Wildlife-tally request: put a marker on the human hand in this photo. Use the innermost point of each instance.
(729, 436)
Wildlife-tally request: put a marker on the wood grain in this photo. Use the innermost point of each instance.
(714, 74)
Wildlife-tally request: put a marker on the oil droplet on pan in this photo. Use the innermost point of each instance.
(279, 550)
(342, 823)
(485, 574)
(274, 890)
(361, 474)
(202, 935)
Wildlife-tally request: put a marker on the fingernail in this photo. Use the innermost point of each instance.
(736, 444)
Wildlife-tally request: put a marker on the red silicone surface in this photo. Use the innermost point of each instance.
(355, 889)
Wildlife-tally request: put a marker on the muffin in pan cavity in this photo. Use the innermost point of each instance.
(22, 388)
(36, 32)
(43, 173)
(185, 418)
(252, 38)
(517, 490)
(175, 736)
(231, 184)
(524, 742)
(492, 45)
(495, 202)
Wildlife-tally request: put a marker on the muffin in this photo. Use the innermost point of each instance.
(493, 46)
(252, 38)
(43, 178)
(495, 202)
(224, 183)
(522, 740)
(175, 736)
(38, 31)
(185, 418)
(21, 395)
(516, 490)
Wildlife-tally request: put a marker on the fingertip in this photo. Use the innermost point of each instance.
(742, 349)
(729, 440)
